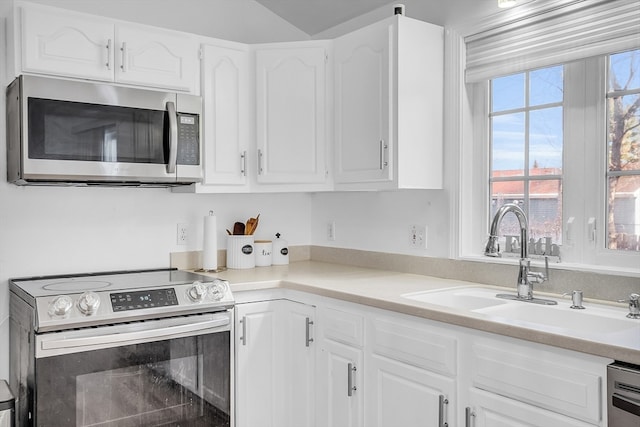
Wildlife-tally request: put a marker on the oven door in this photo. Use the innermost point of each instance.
(173, 372)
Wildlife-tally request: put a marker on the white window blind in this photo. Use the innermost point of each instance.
(571, 30)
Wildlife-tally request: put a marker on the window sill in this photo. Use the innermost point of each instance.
(539, 262)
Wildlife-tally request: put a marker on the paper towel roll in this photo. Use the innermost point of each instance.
(210, 243)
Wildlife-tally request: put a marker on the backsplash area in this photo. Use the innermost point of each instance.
(607, 287)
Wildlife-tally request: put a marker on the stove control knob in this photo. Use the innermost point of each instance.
(218, 289)
(197, 291)
(60, 306)
(88, 303)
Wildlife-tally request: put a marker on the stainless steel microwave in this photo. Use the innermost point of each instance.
(79, 133)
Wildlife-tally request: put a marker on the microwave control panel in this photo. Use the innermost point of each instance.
(188, 139)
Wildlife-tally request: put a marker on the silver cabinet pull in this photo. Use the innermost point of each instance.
(351, 371)
(243, 338)
(109, 54)
(259, 162)
(173, 137)
(124, 65)
(468, 416)
(443, 401)
(308, 338)
(243, 163)
(383, 148)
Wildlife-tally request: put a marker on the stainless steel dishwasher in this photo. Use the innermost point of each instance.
(623, 399)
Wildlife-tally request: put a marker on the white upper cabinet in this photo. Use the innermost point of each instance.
(389, 106)
(291, 113)
(362, 105)
(154, 57)
(66, 43)
(71, 44)
(226, 119)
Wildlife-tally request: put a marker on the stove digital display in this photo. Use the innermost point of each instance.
(137, 300)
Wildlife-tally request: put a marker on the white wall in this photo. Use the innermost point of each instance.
(65, 230)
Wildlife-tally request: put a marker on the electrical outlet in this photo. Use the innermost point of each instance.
(182, 235)
(418, 236)
(331, 231)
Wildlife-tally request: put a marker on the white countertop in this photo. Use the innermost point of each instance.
(384, 290)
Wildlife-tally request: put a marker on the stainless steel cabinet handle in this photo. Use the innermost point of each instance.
(243, 338)
(351, 371)
(259, 162)
(468, 416)
(109, 54)
(173, 137)
(308, 338)
(443, 401)
(243, 163)
(124, 65)
(383, 148)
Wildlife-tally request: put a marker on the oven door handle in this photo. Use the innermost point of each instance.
(134, 336)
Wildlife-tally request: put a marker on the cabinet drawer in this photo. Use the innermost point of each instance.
(343, 326)
(534, 375)
(414, 343)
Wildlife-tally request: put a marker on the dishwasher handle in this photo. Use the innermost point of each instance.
(626, 404)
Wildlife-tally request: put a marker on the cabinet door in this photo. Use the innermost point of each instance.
(299, 364)
(341, 402)
(275, 364)
(362, 105)
(155, 57)
(257, 365)
(290, 108)
(398, 394)
(491, 410)
(67, 44)
(225, 94)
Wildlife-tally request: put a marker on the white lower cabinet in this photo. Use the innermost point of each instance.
(274, 364)
(357, 366)
(410, 373)
(492, 410)
(518, 383)
(340, 394)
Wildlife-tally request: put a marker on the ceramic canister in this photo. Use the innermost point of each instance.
(263, 250)
(240, 252)
(280, 253)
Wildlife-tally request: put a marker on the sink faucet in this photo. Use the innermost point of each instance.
(526, 277)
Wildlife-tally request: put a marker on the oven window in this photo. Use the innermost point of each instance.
(179, 382)
(63, 130)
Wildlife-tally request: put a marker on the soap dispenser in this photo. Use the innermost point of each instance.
(280, 251)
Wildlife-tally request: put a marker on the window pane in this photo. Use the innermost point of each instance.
(508, 143)
(545, 141)
(545, 86)
(624, 133)
(545, 211)
(624, 71)
(623, 228)
(507, 93)
(504, 192)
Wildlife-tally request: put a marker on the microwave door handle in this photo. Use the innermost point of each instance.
(173, 137)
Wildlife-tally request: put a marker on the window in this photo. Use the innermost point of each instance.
(526, 137)
(623, 151)
(550, 118)
(542, 141)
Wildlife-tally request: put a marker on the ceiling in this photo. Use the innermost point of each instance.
(315, 16)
